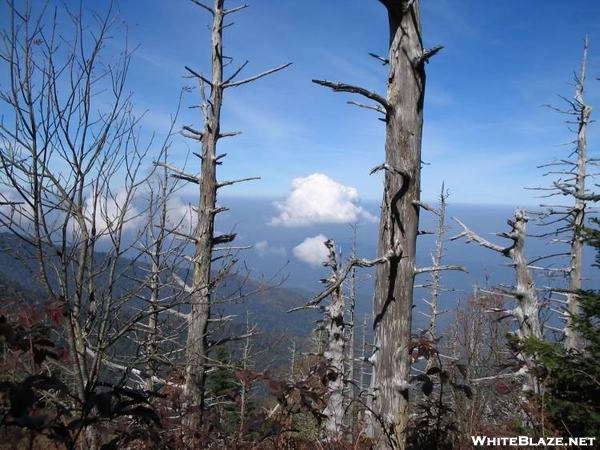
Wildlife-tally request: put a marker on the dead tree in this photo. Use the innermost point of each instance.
(527, 309)
(569, 220)
(437, 268)
(402, 111)
(155, 249)
(351, 360)
(159, 336)
(205, 242)
(437, 261)
(335, 357)
(334, 353)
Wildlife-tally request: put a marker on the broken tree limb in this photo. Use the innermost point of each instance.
(440, 268)
(256, 77)
(178, 173)
(343, 87)
(427, 54)
(221, 184)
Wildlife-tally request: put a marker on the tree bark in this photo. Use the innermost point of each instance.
(393, 297)
(527, 309)
(197, 342)
(335, 355)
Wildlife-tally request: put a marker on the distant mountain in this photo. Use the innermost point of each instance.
(267, 305)
(273, 252)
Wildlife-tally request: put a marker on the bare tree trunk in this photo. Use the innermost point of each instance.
(335, 355)
(573, 339)
(334, 325)
(152, 343)
(436, 274)
(197, 347)
(569, 219)
(197, 342)
(393, 297)
(527, 309)
(352, 343)
(157, 234)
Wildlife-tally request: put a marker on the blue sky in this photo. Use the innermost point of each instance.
(485, 128)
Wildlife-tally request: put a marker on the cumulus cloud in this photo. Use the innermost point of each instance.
(312, 250)
(263, 248)
(318, 199)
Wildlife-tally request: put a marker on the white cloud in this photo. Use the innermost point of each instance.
(181, 214)
(319, 199)
(263, 248)
(312, 250)
(108, 211)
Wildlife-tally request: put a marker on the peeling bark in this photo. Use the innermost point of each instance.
(335, 355)
(393, 297)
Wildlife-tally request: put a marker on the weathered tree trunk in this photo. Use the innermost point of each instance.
(436, 274)
(364, 374)
(393, 297)
(335, 354)
(569, 219)
(197, 342)
(204, 239)
(527, 309)
(573, 339)
(352, 341)
(152, 343)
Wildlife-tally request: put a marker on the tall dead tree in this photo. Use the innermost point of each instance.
(434, 284)
(569, 220)
(351, 360)
(211, 91)
(335, 357)
(334, 354)
(527, 309)
(393, 297)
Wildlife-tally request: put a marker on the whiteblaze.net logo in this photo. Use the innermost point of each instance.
(520, 441)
